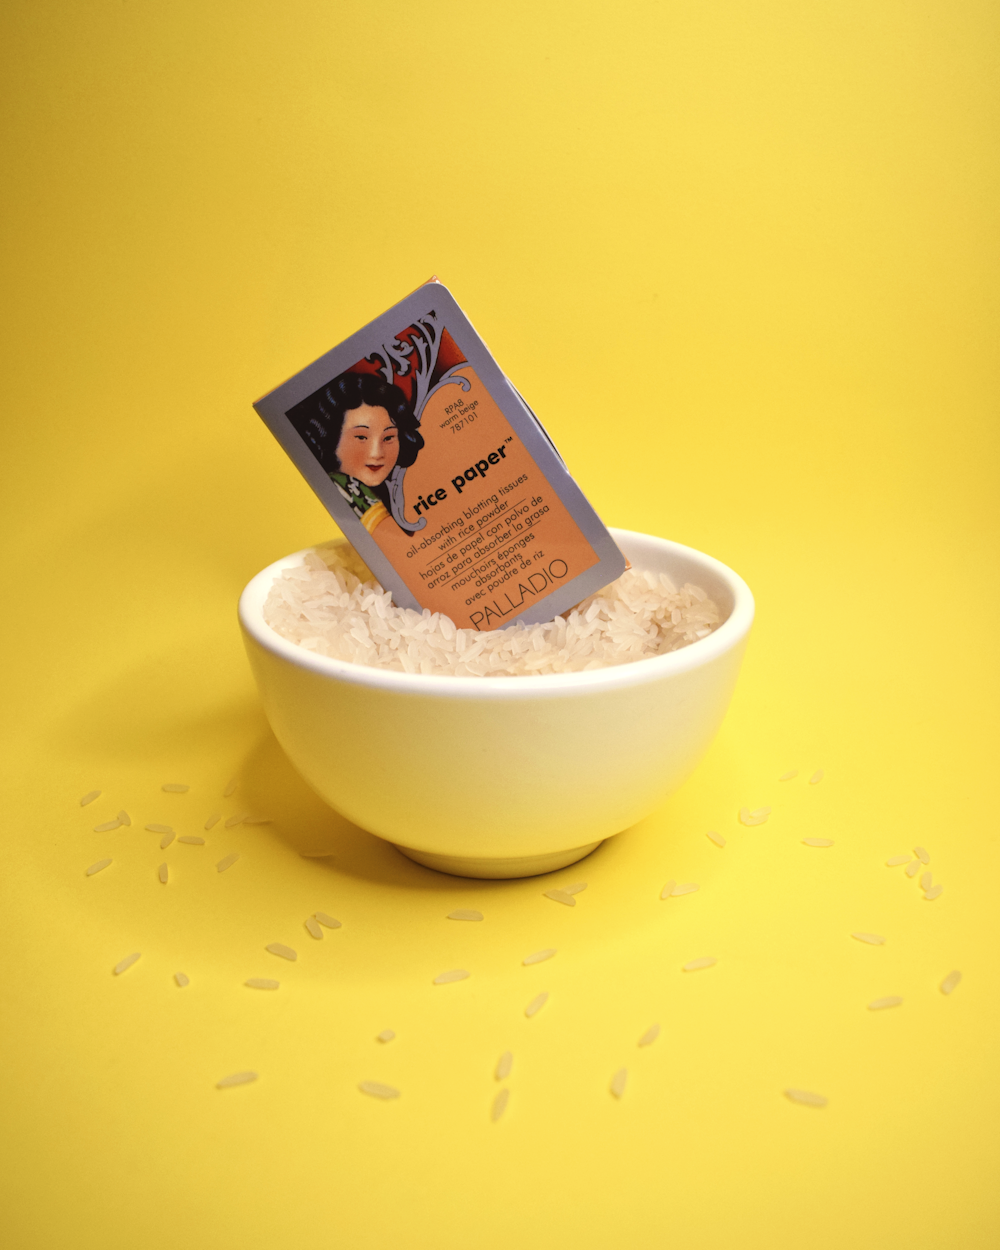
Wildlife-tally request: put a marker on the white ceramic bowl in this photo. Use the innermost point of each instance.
(503, 776)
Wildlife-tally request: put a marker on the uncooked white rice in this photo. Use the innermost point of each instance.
(236, 1078)
(694, 965)
(163, 872)
(560, 896)
(536, 1004)
(262, 983)
(921, 854)
(190, 840)
(912, 868)
(668, 889)
(313, 927)
(717, 838)
(464, 913)
(126, 963)
(895, 860)
(934, 892)
(108, 825)
(212, 821)
(332, 604)
(233, 821)
(159, 828)
(577, 887)
(166, 840)
(873, 939)
(950, 981)
(506, 1062)
(926, 880)
(89, 797)
(817, 842)
(749, 818)
(686, 887)
(879, 1004)
(98, 867)
(328, 921)
(280, 949)
(385, 1036)
(618, 1082)
(816, 778)
(175, 787)
(650, 1036)
(538, 957)
(499, 1104)
(226, 862)
(182, 979)
(453, 974)
(230, 788)
(124, 818)
(790, 775)
(378, 1090)
(806, 1097)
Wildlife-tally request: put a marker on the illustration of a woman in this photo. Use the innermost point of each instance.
(363, 430)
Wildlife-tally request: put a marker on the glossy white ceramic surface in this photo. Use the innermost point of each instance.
(503, 776)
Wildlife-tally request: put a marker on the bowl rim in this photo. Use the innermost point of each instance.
(696, 655)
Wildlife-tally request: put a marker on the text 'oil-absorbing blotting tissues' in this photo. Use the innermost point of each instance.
(438, 472)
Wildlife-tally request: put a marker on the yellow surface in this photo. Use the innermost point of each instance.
(742, 260)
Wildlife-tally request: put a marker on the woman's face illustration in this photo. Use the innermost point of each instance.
(369, 445)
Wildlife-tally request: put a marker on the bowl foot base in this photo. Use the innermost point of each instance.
(519, 866)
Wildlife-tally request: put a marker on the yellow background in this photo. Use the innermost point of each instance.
(741, 258)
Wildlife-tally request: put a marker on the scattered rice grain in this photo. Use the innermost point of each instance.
(159, 828)
(453, 974)
(934, 892)
(163, 872)
(749, 818)
(500, 1104)
(233, 821)
(873, 939)
(262, 983)
(921, 854)
(950, 981)
(895, 860)
(650, 1036)
(617, 1086)
(578, 887)
(560, 896)
(789, 776)
(332, 605)
(464, 913)
(538, 957)
(108, 826)
(212, 821)
(230, 788)
(816, 778)
(313, 927)
(717, 838)
(879, 1004)
(926, 880)
(175, 787)
(329, 921)
(89, 797)
(386, 1035)
(504, 1065)
(126, 963)
(99, 866)
(124, 818)
(668, 889)
(536, 1004)
(806, 1097)
(236, 1078)
(182, 979)
(166, 840)
(377, 1090)
(694, 965)
(685, 887)
(912, 868)
(191, 840)
(817, 842)
(226, 862)
(280, 949)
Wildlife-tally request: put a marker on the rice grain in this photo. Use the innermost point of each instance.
(453, 974)
(717, 838)
(879, 1004)
(895, 860)
(912, 868)
(750, 819)
(668, 889)
(377, 1090)
(89, 797)
(816, 778)
(230, 788)
(504, 1065)
(108, 825)
(926, 880)
(282, 951)
(262, 983)
(236, 1078)
(163, 873)
(212, 821)
(464, 913)
(806, 1097)
(921, 854)
(560, 896)
(686, 887)
(499, 1104)
(175, 787)
(126, 963)
(124, 818)
(617, 1086)
(313, 928)
(226, 862)
(159, 828)
(650, 1036)
(538, 957)
(695, 965)
(578, 887)
(873, 939)
(950, 981)
(790, 775)
(386, 1035)
(191, 840)
(166, 840)
(182, 979)
(328, 921)
(934, 892)
(536, 1004)
(99, 866)
(233, 821)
